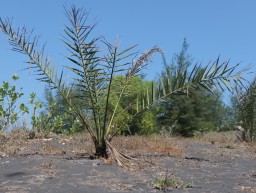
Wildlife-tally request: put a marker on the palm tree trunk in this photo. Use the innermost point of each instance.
(100, 148)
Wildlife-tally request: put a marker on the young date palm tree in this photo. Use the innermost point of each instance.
(94, 69)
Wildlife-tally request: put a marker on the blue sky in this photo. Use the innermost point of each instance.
(212, 28)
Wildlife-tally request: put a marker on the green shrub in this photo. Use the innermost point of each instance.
(9, 97)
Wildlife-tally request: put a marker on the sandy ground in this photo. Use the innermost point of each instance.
(201, 167)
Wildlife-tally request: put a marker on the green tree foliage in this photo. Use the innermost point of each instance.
(126, 122)
(57, 115)
(195, 113)
(145, 123)
(199, 110)
(230, 117)
(244, 104)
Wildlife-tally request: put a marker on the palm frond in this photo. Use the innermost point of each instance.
(24, 42)
(213, 75)
(134, 67)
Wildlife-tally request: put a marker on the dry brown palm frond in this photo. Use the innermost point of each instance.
(122, 159)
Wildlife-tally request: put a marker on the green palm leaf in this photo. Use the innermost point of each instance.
(213, 75)
(21, 41)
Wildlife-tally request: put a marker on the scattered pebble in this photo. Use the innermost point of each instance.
(3, 155)
(50, 139)
(96, 164)
(78, 162)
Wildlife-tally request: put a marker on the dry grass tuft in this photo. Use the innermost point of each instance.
(18, 142)
(219, 137)
(148, 144)
(246, 189)
(76, 145)
(12, 143)
(48, 164)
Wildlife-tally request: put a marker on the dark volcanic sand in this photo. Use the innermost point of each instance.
(205, 167)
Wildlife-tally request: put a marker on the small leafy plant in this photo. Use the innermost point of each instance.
(47, 122)
(35, 119)
(230, 146)
(171, 182)
(9, 97)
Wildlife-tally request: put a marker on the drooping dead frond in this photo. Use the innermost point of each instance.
(122, 159)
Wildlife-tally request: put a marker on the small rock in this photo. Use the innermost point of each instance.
(2, 155)
(78, 162)
(70, 154)
(96, 164)
(49, 139)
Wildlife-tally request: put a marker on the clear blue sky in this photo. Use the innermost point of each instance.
(212, 28)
